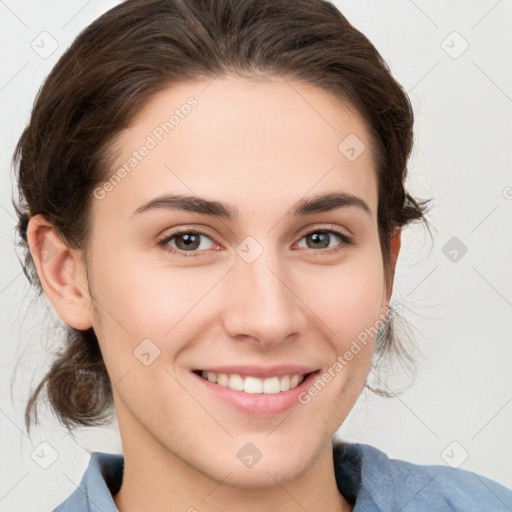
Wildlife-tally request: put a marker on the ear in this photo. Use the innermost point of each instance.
(394, 250)
(61, 272)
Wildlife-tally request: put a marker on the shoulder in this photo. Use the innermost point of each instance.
(101, 480)
(392, 484)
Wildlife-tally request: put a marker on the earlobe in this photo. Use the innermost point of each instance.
(61, 273)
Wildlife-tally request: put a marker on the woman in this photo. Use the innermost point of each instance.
(213, 198)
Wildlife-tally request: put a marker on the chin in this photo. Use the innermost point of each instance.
(274, 466)
(264, 476)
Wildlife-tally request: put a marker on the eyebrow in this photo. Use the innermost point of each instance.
(319, 204)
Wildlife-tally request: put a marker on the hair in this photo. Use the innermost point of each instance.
(141, 47)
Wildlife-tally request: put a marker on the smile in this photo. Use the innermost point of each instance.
(262, 391)
(254, 385)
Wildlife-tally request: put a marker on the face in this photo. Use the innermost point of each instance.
(220, 314)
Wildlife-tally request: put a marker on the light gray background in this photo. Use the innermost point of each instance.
(459, 410)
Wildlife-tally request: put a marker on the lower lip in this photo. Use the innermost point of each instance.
(259, 404)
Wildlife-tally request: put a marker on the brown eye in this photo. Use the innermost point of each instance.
(187, 241)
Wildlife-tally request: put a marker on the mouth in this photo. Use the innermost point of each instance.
(254, 385)
(255, 391)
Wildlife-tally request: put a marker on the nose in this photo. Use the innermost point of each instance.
(263, 303)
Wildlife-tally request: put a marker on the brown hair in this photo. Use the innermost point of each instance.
(140, 47)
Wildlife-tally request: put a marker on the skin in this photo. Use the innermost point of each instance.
(259, 144)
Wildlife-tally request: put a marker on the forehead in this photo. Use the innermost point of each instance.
(262, 142)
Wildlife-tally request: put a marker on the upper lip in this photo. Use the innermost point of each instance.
(261, 371)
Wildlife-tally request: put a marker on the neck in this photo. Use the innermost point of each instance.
(157, 480)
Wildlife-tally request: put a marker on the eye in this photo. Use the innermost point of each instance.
(187, 241)
(323, 238)
(194, 242)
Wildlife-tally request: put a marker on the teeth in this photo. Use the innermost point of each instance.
(294, 381)
(271, 386)
(236, 382)
(254, 385)
(285, 383)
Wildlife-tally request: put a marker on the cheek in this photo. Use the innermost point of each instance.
(348, 297)
(148, 299)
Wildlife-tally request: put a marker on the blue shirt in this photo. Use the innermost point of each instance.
(364, 475)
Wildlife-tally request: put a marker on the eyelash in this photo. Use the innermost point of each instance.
(345, 240)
